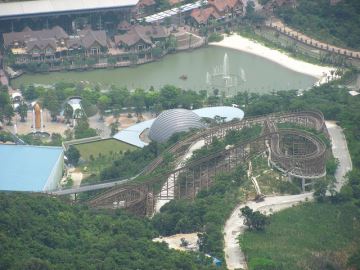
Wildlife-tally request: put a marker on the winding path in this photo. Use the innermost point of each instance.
(234, 226)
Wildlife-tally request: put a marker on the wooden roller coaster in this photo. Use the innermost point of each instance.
(294, 152)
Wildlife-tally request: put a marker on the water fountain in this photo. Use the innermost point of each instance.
(222, 79)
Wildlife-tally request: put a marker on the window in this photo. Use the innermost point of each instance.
(94, 50)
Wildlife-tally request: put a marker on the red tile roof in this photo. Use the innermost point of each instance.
(202, 15)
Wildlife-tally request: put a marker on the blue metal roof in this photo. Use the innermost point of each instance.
(26, 167)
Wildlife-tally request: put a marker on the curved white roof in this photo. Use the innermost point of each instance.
(131, 135)
(173, 121)
(229, 113)
(28, 8)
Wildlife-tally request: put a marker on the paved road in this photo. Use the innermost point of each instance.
(234, 226)
(340, 151)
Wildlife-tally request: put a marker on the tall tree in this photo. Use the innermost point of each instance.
(51, 102)
(102, 104)
(68, 112)
(22, 111)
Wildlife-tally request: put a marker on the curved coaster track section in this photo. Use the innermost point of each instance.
(295, 152)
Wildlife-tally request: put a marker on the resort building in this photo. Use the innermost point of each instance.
(30, 168)
(53, 44)
(141, 38)
(216, 10)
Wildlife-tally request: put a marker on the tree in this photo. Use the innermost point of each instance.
(22, 111)
(254, 220)
(44, 67)
(73, 155)
(102, 104)
(112, 60)
(51, 102)
(114, 127)
(68, 112)
(157, 52)
(83, 130)
(8, 113)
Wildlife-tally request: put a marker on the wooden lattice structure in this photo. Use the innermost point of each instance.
(294, 152)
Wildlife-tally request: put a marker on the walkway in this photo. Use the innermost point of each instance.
(89, 187)
(234, 226)
(340, 151)
(281, 27)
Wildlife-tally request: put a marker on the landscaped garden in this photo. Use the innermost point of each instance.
(90, 151)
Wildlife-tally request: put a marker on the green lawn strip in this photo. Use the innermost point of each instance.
(102, 148)
(297, 236)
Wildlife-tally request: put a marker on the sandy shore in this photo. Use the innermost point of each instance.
(240, 43)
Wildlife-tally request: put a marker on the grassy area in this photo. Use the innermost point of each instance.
(108, 147)
(309, 236)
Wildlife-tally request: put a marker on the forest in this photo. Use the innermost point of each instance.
(40, 232)
(336, 24)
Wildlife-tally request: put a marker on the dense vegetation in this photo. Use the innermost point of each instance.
(310, 236)
(206, 214)
(38, 232)
(335, 24)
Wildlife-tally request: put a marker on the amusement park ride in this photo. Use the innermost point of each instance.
(306, 161)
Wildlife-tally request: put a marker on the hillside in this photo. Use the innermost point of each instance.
(39, 232)
(336, 24)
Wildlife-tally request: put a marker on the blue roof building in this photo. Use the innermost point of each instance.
(30, 168)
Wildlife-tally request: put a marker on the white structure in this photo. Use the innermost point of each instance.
(176, 121)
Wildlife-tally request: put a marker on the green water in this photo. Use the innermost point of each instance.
(261, 75)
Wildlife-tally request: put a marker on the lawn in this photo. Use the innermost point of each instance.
(310, 236)
(102, 148)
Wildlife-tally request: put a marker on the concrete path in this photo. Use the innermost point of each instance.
(340, 151)
(234, 226)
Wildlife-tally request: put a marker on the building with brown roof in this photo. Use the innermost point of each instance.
(94, 42)
(216, 9)
(123, 26)
(53, 44)
(227, 7)
(141, 38)
(202, 16)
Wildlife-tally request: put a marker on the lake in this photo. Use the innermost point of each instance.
(190, 70)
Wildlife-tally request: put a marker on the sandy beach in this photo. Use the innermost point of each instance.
(240, 43)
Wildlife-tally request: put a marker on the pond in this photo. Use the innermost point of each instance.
(207, 68)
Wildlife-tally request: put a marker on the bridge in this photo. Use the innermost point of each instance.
(294, 152)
